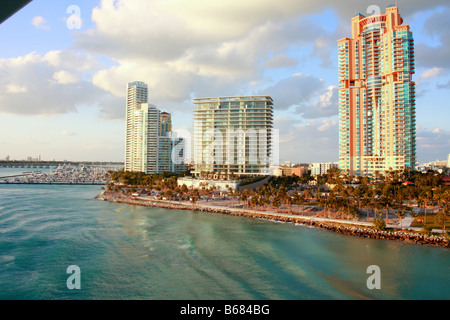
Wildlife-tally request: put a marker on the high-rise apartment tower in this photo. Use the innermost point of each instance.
(149, 140)
(166, 123)
(233, 135)
(142, 120)
(377, 125)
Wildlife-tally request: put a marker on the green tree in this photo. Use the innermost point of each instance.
(440, 196)
(401, 212)
(243, 197)
(426, 197)
(441, 218)
(168, 194)
(307, 194)
(276, 203)
(254, 202)
(379, 224)
(387, 197)
(298, 200)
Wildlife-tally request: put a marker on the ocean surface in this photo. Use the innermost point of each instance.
(131, 252)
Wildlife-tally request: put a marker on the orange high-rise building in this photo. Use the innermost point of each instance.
(377, 95)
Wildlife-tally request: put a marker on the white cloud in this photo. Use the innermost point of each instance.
(327, 124)
(191, 48)
(432, 73)
(39, 22)
(71, 60)
(65, 77)
(196, 47)
(14, 88)
(325, 106)
(49, 90)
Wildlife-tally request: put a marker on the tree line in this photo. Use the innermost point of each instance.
(337, 193)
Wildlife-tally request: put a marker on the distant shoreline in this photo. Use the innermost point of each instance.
(58, 183)
(344, 227)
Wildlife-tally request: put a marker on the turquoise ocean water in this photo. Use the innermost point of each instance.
(132, 252)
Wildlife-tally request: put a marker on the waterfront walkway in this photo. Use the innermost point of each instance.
(215, 205)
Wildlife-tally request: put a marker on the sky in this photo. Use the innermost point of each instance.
(65, 65)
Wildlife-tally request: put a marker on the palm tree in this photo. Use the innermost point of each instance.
(365, 204)
(264, 201)
(231, 194)
(332, 201)
(168, 194)
(244, 197)
(254, 201)
(376, 205)
(387, 197)
(401, 213)
(441, 218)
(297, 198)
(276, 203)
(446, 197)
(439, 195)
(307, 194)
(426, 196)
(346, 195)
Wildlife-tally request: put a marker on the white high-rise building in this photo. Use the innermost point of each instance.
(233, 135)
(137, 94)
(147, 148)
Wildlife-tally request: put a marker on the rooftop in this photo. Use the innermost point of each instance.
(233, 98)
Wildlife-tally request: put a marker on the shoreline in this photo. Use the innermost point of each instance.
(345, 227)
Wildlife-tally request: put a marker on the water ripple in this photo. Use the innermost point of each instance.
(130, 252)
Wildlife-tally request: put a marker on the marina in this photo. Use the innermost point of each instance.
(62, 174)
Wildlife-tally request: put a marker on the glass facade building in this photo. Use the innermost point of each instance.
(233, 135)
(149, 141)
(377, 125)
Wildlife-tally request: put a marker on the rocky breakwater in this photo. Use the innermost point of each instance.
(361, 232)
(405, 236)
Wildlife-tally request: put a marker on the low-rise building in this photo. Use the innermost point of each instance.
(222, 185)
(319, 168)
(282, 171)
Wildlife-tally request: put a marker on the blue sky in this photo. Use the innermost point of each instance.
(62, 90)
